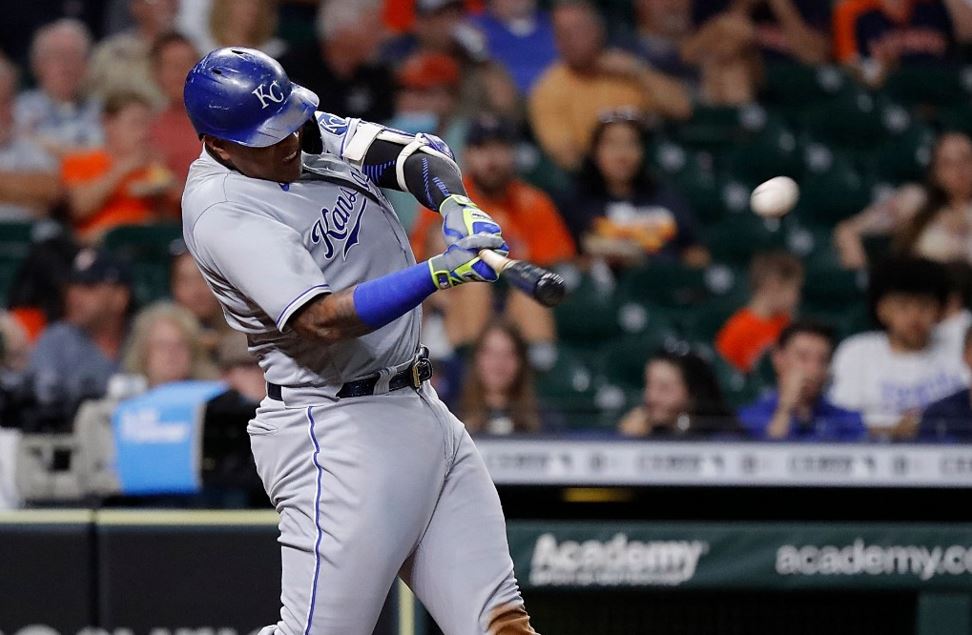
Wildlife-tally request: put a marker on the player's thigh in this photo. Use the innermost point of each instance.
(462, 569)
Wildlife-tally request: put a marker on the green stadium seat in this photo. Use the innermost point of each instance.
(737, 238)
(588, 315)
(623, 359)
(568, 388)
(797, 87)
(9, 267)
(670, 285)
(930, 85)
(737, 388)
(146, 248)
(856, 121)
(15, 238)
(706, 320)
(772, 152)
(829, 287)
(904, 157)
(957, 117)
(712, 127)
(833, 194)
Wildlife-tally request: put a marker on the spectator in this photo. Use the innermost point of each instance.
(239, 368)
(662, 27)
(75, 357)
(520, 37)
(121, 183)
(57, 114)
(790, 30)
(189, 290)
(933, 221)
(498, 395)
(775, 280)
(956, 318)
(434, 31)
(531, 225)
(681, 398)
(15, 345)
(171, 133)
(891, 375)
(875, 36)
(797, 409)
(400, 16)
(565, 102)
(950, 418)
(28, 177)
(619, 211)
(247, 23)
(165, 347)
(121, 62)
(341, 66)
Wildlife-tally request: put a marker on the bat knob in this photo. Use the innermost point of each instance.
(550, 289)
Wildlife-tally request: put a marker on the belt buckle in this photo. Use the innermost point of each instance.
(416, 375)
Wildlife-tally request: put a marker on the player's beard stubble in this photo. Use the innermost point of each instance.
(279, 162)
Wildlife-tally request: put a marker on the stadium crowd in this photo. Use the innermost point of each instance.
(614, 141)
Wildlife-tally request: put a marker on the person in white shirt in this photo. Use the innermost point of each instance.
(891, 375)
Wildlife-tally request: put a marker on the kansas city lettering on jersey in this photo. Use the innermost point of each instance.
(339, 224)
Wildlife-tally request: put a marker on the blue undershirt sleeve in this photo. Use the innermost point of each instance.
(379, 301)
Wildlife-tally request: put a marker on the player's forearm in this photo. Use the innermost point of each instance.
(365, 307)
(430, 178)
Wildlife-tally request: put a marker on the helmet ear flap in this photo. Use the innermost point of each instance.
(310, 137)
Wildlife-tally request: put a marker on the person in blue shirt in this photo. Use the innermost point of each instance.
(520, 37)
(797, 410)
(950, 419)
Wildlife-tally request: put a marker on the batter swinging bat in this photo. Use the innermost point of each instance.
(546, 287)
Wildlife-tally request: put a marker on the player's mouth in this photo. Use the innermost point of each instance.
(292, 156)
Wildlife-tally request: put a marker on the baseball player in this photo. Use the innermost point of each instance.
(372, 476)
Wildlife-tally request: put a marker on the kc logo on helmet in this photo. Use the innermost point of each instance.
(274, 93)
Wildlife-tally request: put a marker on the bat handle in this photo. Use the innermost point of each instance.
(496, 261)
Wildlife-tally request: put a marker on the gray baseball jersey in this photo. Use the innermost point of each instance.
(367, 487)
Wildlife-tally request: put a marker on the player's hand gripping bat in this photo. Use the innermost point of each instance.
(546, 287)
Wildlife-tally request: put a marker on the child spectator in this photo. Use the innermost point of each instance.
(165, 346)
(589, 79)
(890, 376)
(797, 409)
(619, 211)
(933, 220)
(498, 396)
(28, 176)
(122, 182)
(57, 114)
(950, 418)
(682, 397)
(775, 280)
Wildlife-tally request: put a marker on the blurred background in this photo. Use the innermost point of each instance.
(734, 424)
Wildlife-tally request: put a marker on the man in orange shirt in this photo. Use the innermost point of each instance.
(120, 183)
(531, 225)
(775, 280)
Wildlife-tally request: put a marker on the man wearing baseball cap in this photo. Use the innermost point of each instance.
(75, 357)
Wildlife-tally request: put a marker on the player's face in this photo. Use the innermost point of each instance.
(909, 319)
(666, 395)
(279, 162)
(168, 354)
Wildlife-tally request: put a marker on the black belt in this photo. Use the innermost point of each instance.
(417, 372)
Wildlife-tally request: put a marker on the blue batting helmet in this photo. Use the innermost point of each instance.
(243, 95)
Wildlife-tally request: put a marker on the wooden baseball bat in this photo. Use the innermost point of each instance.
(546, 287)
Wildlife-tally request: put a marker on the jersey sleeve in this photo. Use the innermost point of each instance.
(260, 257)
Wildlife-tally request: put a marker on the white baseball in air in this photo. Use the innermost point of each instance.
(775, 197)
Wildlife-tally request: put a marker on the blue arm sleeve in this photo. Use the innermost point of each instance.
(379, 301)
